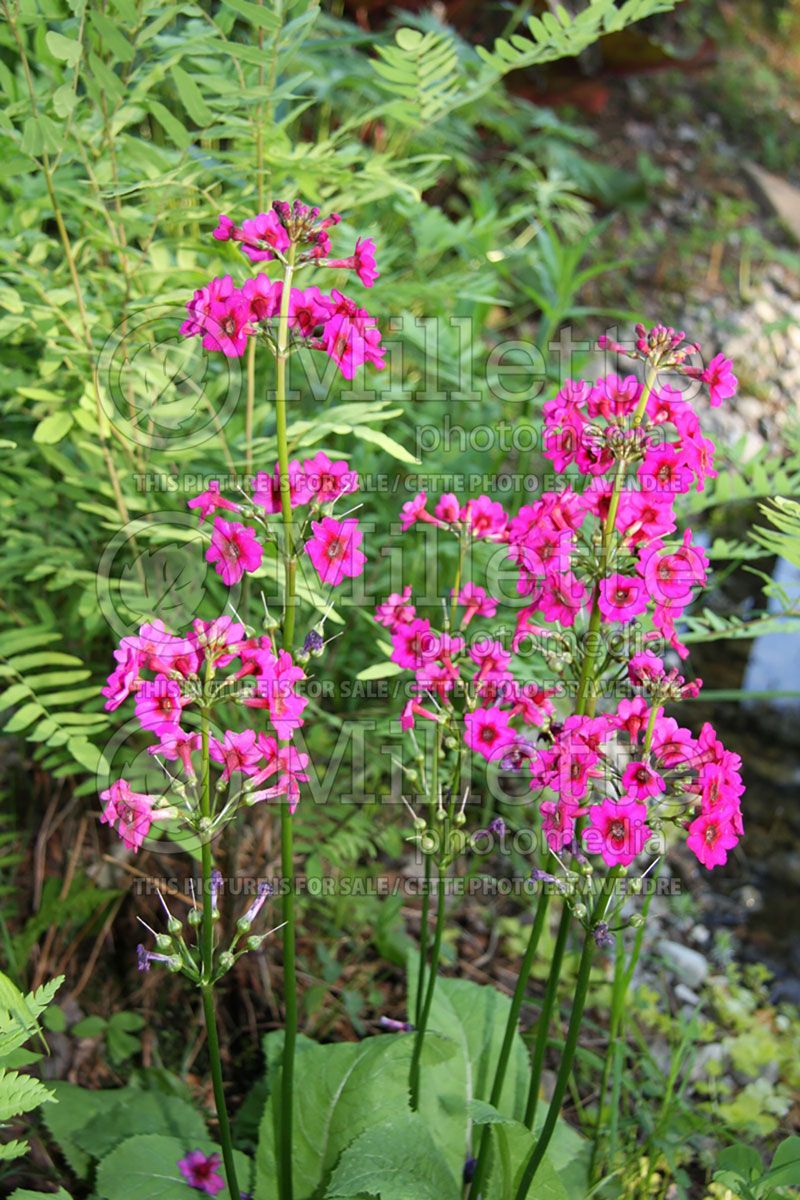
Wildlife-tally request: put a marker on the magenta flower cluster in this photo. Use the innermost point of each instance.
(226, 316)
(316, 485)
(164, 674)
(602, 548)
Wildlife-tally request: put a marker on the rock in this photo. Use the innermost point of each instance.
(701, 935)
(782, 197)
(704, 1055)
(685, 994)
(689, 965)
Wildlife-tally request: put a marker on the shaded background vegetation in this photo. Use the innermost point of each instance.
(517, 197)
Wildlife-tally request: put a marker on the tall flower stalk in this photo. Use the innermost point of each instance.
(222, 663)
(600, 549)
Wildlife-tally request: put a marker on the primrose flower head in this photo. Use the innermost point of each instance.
(202, 1172)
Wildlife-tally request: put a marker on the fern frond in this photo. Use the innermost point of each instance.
(43, 690)
(561, 35)
(784, 538)
(423, 70)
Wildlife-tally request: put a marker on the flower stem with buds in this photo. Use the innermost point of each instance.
(287, 833)
(207, 956)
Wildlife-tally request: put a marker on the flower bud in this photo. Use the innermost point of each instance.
(460, 819)
(226, 960)
(174, 926)
(458, 841)
(636, 921)
(579, 911)
(420, 824)
(163, 942)
(195, 917)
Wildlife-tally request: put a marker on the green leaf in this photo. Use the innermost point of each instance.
(128, 1113)
(341, 1090)
(53, 428)
(19, 1094)
(380, 671)
(26, 1194)
(64, 100)
(74, 1108)
(512, 1143)
(89, 1027)
(192, 98)
(784, 1170)
(378, 438)
(65, 49)
(146, 1168)
(396, 1160)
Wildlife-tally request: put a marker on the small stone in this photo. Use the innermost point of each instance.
(701, 935)
(686, 995)
(689, 964)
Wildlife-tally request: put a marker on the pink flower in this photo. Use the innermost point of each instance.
(645, 668)
(415, 510)
(618, 832)
(226, 325)
(632, 716)
(236, 751)
(711, 836)
(307, 310)
(622, 597)
(262, 235)
(641, 781)
(263, 296)
(201, 1171)
(396, 610)
(131, 812)
(267, 488)
(334, 549)
(225, 230)
(211, 500)
(722, 382)
(219, 639)
(448, 509)
(558, 823)
(362, 261)
(159, 705)
(234, 549)
(125, 676)
(414, 709)
(414, 643)
(476, 602)
(350, 337)
(275, 686)
(326, 480)
(485, 517)
(176, 744)
(487, 732)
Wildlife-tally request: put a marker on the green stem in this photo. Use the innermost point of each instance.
(545, 1016)
(578, 1004)
(219, 1091)
(510, 1033)
(286, 1116)
(423, 939)
(281, 355)
(207, 957)
(290, 1005)
(419, 1037)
